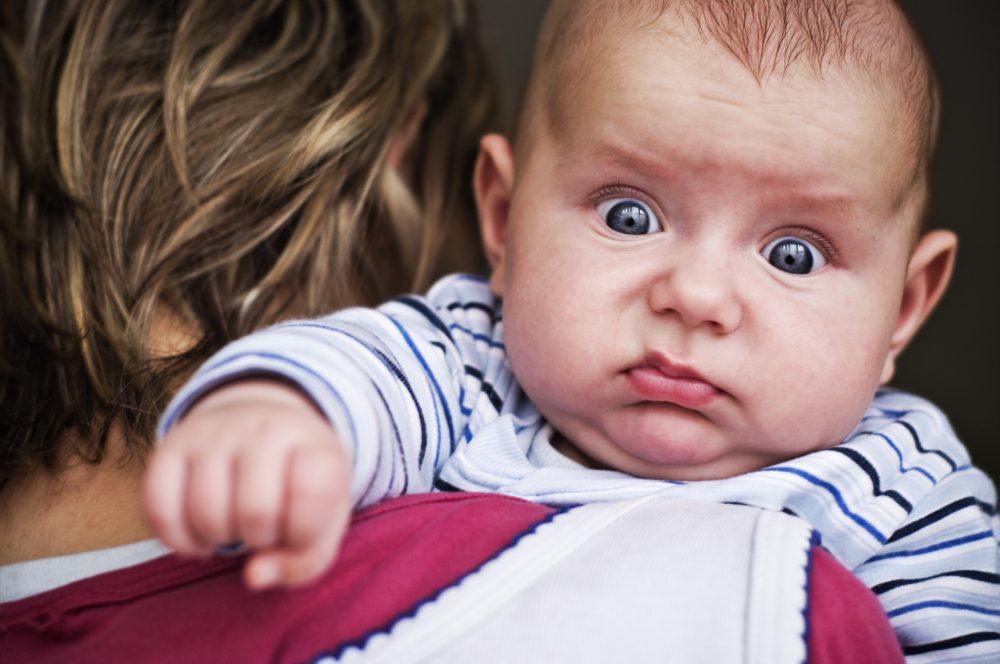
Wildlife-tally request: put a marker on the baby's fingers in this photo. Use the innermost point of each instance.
(260, 496)
(165, 502)
(318, 500)
(210, 494)
(318, 510)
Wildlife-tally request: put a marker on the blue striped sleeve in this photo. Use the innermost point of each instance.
(391, 380)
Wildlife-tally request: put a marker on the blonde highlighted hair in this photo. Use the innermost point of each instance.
(207, 167)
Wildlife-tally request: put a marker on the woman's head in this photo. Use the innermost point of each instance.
(174, 175)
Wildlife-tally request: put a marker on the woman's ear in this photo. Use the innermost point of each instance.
(927, 277)
(493, 182)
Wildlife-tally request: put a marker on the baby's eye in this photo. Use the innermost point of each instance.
(629, 216)
(793, 255)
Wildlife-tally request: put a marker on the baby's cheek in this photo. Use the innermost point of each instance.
(535, 366)
(541, 359)
(815, 398)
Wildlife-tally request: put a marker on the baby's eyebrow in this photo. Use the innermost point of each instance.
(786, 186)
(612, 154)
(841, 208)
(806, 199)
(788, 195)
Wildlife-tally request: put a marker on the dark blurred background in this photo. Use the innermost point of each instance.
(955, 360)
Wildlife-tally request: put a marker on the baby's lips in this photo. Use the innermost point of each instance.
(654, 384)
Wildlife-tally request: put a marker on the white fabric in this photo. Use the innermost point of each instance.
(688, 599)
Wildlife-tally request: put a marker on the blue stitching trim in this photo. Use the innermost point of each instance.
(814, 540)
(362, 642)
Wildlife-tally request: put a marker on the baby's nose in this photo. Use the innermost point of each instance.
(699, 292)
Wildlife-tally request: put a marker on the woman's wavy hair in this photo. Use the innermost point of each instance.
(188, 171)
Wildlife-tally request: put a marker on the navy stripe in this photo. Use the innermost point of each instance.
(398, 373)
(475, 305)
(427, 313)
(975, 575)
(441, 485)
(864, 464)
(399, 445)
(940, 604)
(892, 413)
(488, 389)
(394, 369)
(916, 439)
(390, 364)
(964, 640)
(833, 491)
(902, 469)
(939, 514)
(947, 544)
(434, 383)
(485, 338)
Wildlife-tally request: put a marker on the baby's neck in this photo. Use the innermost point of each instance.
(562, 445)
(83, 508)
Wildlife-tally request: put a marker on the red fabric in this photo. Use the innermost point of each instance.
(846, 621)
(171, 610)
(396, 556)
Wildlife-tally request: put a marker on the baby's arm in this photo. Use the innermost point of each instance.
(253, 461)
(375, 402)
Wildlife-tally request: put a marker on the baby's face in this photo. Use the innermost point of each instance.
(702, 276)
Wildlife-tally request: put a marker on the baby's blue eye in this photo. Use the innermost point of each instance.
(793, 255)
(629, 216)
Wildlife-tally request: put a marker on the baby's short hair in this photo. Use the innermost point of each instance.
(870, 39)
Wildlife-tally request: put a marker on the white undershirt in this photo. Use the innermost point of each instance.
(32, 577)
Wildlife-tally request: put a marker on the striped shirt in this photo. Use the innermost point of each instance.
(421, 393)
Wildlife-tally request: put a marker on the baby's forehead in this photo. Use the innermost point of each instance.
(768, 37)
(868, 43)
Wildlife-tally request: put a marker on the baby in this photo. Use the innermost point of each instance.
(707, 253)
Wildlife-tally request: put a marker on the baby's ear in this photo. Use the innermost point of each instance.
(927, 276)
(493, 182)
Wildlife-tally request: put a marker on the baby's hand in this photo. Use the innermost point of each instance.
(253, 462)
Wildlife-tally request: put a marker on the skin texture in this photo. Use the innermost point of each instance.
(679, 354)
(273, 476)
(684, 354)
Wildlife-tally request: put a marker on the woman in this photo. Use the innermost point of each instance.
(178, 174)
